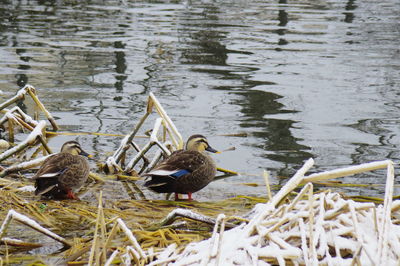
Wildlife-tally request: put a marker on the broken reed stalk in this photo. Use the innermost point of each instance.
(29, 141)
(282, 193)
(11, 137)
(17, 116)
(179, 212)
(23, 124)
(97, 178)
(78, 254)
(157, 157)
(312, 245)
(226, 171)
(153, 141)
(18, 243)
(217, 239)
(292, 183)
(28, 89)
(13, 215)
(32, 92)
(44, 144)
(19, 96)
(124, 146)
(23, 166)
(111, 235)
(131, 237)
(266, 180)
(98, 251)
(176, 137)
(386, 221)
(88, 133)
(24, 119)
(113, 163)
(112, 257)
(352, 170)
(288, 208)
(140, 154)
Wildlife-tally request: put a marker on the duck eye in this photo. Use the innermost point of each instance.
(204, 144)
(76, 147)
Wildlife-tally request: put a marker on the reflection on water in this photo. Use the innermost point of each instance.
(305, 79)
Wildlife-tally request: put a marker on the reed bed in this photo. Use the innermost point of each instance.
(310, 229)
(85, 226)
(292, 228)
(288, 228)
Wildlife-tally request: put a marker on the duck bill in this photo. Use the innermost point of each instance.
(212, 150)
(83, 153)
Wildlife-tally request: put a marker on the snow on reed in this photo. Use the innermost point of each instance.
(311, 229)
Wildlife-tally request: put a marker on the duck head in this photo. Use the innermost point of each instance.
(74, 148)
(199, 143)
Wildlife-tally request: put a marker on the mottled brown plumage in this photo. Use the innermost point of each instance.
(62, 173)
(184, 171)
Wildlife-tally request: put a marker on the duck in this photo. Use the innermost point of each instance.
(63, 173)
(185, 171)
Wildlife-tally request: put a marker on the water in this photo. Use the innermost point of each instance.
(304, 79)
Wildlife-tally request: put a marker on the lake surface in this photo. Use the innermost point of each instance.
(303, 79)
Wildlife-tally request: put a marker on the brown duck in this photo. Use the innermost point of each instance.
(62, 173)
(184, 171)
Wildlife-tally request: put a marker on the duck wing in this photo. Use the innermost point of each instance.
(51, 168)
(178, 164)
(46, 178)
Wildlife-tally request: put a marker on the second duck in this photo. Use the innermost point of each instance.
(62, 173)
(184, 171)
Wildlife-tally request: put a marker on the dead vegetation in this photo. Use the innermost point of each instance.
(302, 228)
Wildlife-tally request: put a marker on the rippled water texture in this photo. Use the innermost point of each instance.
(303, 78)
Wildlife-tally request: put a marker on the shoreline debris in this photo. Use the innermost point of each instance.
(311, 229)
(13, 215)
(116, 162)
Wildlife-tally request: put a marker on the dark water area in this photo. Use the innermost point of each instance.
(303, 79)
